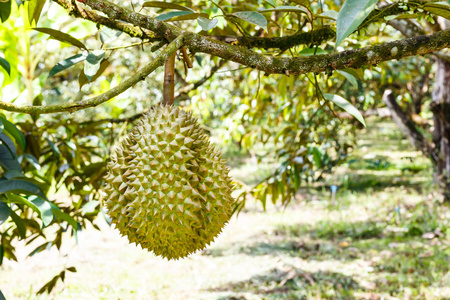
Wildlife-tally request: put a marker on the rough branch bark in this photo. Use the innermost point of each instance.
(271, 65)
(79, 105)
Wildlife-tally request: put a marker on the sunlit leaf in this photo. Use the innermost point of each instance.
(34, 10)
(207, 24)
(63, 216)
(329, 14)
(172, 14)
(351, 15)
(62, 37)
(349, 77)
(92, 63)
(67, 63)
(252, 17)
(82, 79)
(347, 106)
(89, 207)
(44, 208)
(438, 9)
(107, 35)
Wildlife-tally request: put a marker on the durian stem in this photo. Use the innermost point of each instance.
(169, 81)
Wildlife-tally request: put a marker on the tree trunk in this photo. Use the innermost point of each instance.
(441, 117)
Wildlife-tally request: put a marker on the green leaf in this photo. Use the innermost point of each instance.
(329, 14)
(62, 37)
(63, 216)
(92, 63)
(7, 159)
(71, 269)
(45, 210)
(89, 207)
(191, 16)
(33, 161)
(163, 4)
(9, 144)
(347, 106)
(67, 63)
(20, 186)
(5, 10)
(5, 65)
(439, 9)
(317, 156)
(13, 198)
(351, 15)
(107, 35)
(54, 147)
(2, 252)
(312, 51)
(4, 212)
(14, 132)
(34, 10)
(1, 126)
(172, 14)
(207, 24)
(252, 17)
(349, 77)
(19, 223)
(82, 79)
(2, 297)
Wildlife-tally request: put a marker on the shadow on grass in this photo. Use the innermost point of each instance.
(293, 283)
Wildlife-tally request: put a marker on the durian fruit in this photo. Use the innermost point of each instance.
(168, 188)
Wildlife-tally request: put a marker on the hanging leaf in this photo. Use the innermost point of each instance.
(5, 10)
(4, 212)
(9, 144)
(191, 16)
(439, 9)
(351, 15)
(172, 14)
(252, 17)
(329, 14)
(14, 132)
(67, 63)
(63, 216)
(82, 79)
(5, 65)
(89, 207)
(34, 10)
(62, 37)
(347, 106)
(162, 4)
(13, 198)
(207, 24)
(45, 210)
(107, 35)
(349, 77)
(20, 186)
(19, 223)
(92, 63)
(33, 161)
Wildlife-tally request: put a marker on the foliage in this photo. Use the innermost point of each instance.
(52, 166)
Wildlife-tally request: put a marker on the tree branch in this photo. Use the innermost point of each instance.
(285, 65)
(408, 127)
(82, 104)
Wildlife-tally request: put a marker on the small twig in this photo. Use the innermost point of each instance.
(186, 58)
(75, 106)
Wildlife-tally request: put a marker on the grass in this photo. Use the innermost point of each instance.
(386, 237)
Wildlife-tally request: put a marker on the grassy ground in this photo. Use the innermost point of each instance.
(387, 237)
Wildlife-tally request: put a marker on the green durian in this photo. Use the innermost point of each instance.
(168, 188)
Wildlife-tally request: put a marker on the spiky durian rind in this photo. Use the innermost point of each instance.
(168, 188)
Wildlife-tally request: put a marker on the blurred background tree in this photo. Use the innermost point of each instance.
(288, 82)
